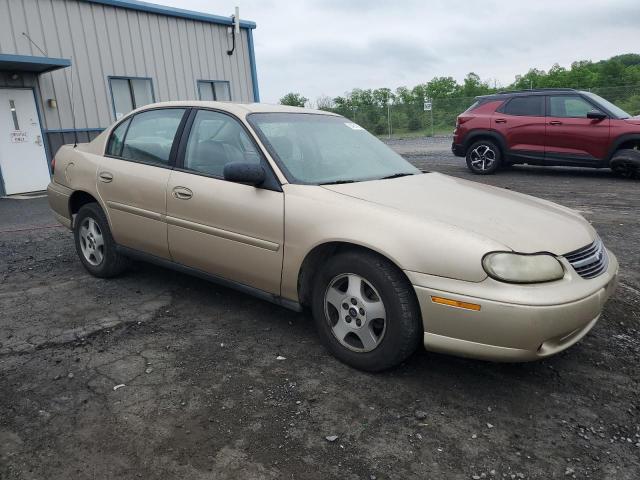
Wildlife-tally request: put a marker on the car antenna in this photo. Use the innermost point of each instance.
(73, 109)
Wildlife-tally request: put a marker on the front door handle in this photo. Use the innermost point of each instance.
(105, 177)
(555, 122)
(501, 120)
(182, 193)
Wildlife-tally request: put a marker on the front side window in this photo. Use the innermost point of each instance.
(150, 136)
(316, 149)
(532, 106)
(569, 106)
(214, 90)
(129, 94)
(215, 140)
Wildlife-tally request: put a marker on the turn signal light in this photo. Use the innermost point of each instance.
(455, 303)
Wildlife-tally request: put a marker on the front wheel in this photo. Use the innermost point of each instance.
(626, 163)
(483, 157)
(365, 311)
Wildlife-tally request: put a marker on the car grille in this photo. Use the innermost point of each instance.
(589, 261)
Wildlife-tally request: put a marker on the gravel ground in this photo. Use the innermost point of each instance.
(159, 375)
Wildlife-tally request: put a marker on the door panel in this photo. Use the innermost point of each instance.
(522, 124)
(135, 198)
(23, 159)
(226, 229)
(132, 180)
(570, 134)
(577, 136)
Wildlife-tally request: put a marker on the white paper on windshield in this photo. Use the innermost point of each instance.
(353, 126)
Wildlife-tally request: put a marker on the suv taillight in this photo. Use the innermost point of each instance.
(460, 120)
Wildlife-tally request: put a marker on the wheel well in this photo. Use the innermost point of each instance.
(78, 199)
(630, 144)
(484, 136)
(319, 255)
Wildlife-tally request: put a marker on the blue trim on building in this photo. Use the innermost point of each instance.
(172, 12)
(29, 63)
(252, 61)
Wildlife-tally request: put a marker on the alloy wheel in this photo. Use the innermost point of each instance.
(91, 241)
(482, 157)
(355, 312)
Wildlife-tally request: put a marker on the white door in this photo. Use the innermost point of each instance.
(23, 161)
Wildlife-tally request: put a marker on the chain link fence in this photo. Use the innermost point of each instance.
(411, 120)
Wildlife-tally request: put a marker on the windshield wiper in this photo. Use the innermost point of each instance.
(337, 182)
(397, 175)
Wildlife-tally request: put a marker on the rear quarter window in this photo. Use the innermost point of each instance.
(114, 147)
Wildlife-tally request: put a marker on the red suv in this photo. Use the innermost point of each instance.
(547, 127)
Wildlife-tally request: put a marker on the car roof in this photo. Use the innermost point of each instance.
(239, 109)
(529, 92)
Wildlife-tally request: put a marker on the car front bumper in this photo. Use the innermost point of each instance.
(514, 323)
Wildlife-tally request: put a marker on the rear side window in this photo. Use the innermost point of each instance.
(151, 135)
(525, 106)
(117, 139)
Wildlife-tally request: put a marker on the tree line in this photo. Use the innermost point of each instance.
(617, 79)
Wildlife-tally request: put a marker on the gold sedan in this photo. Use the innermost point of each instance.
(306, 209)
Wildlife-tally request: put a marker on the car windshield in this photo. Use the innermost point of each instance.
(616, 111)
(321, 149)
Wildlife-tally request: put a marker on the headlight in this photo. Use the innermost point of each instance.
(521, 268)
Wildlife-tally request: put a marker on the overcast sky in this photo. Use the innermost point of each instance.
(327, 47)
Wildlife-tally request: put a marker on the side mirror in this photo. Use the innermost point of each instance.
(244, 172)
(596, 115)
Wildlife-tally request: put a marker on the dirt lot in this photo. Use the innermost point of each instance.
(206, 397)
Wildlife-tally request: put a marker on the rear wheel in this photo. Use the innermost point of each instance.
(94, 243)
(483, 157)
(626, 163)
(365, 311)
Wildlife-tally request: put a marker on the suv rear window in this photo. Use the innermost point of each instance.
(532, 106)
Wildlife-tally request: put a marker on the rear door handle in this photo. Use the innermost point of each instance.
(182, 193)
(555, 122)
(105, 177)
(501, 120)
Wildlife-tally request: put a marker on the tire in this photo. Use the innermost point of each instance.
(483, 157)
(393, 339)
(94, 243)
(626, 163)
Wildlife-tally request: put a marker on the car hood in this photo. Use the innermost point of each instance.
(519, 222)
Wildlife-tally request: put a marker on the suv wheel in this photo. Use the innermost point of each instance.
(94, 243)
(365, 311)
(626, 163)
(483, 157)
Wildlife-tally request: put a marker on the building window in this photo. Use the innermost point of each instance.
(130, 93)
(219, 90)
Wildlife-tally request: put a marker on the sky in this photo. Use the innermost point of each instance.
(328, 47)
